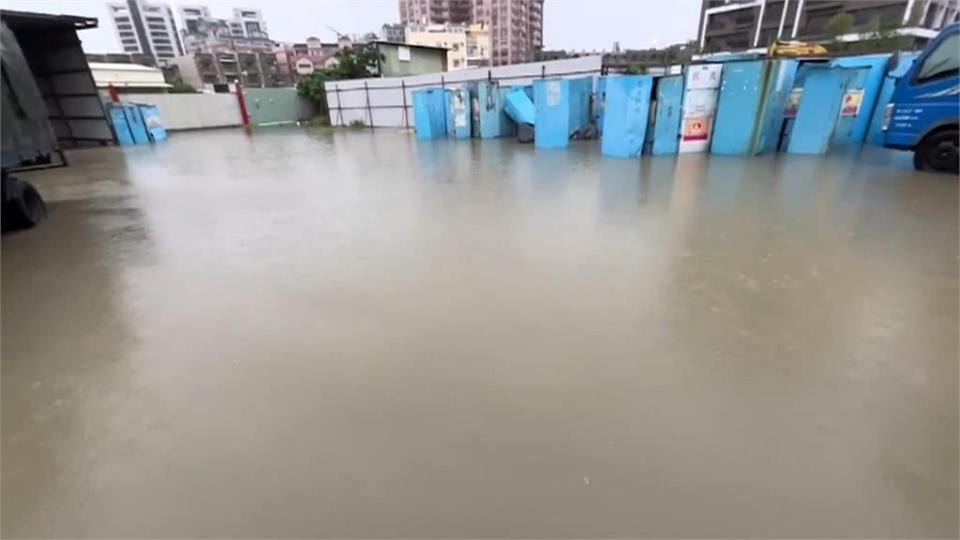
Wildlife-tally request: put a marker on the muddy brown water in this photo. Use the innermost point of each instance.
(310, 334)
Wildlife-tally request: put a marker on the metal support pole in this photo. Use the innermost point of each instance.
(543, 71)
(339, 106)
(403, 89)
(366, 91)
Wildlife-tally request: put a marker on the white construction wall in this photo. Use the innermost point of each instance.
(192, 111)
(348, 100)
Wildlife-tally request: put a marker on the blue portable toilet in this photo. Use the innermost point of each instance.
(492, 120)
(562, 108)
(738, 105)
(118, 121)
(819, 110)
(430, 113)
(666, 128)
(458, 113)
(777, 92)
(875, 130)
(151, 118)
(861, 97)
(627, 114)
(750, 105)
(138, 129)
(519, 107)
(551, 97)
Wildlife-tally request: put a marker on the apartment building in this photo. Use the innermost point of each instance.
(745, 24)
(479, 49)
(205, 69)
(146, 28)
(436, 11)
(393, 32)
(515, 26)
(248, 23)
(467, 45)
(245, 32)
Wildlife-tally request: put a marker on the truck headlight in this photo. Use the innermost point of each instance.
(887, 115)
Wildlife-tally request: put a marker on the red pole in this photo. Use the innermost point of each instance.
(244, 117)
(114, 93)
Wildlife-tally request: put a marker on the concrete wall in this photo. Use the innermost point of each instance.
(348, 99)
(276, 106)
(192, 111)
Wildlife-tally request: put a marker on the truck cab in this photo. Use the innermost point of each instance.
(924, 111)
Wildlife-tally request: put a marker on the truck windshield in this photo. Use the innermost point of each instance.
(943, 61)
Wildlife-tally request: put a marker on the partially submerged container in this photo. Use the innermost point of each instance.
(490, 115)
(563, 108)
(518, 105)
(458, 112)
(627, 110)
(430, 113)
(750, 105)
(669, 113)
(861, 96)
(819, 111)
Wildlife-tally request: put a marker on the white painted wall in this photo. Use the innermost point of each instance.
(192, 111)
(352, 96)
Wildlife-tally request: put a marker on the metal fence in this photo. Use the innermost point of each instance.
(387, 102)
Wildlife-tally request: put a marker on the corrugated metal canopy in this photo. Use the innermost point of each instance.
(17, 20)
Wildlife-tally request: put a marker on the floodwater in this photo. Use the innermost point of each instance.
(306, 334)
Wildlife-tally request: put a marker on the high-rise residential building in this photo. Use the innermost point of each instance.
(245, 32)
(515, 26)
(146, 28)
(248, 23)
(745, 24)
(436, 11)
(393, 32)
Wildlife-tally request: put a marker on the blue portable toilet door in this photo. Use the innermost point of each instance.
(458, 119)
(819, 110)
(850, 108)
(779, 88)
(138, 128)
(118, 119)
(666, 129)
(738, 107)
(626, 116)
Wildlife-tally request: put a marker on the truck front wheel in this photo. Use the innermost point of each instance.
(939, 152)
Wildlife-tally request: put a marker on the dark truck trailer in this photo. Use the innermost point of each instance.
(49, 102)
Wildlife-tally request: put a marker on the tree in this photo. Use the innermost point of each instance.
(180, 87)
(356, 63)
(311, 86)
(838, 25)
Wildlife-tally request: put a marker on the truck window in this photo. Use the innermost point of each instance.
(943, 61)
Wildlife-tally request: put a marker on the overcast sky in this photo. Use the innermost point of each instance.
(568, 24)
